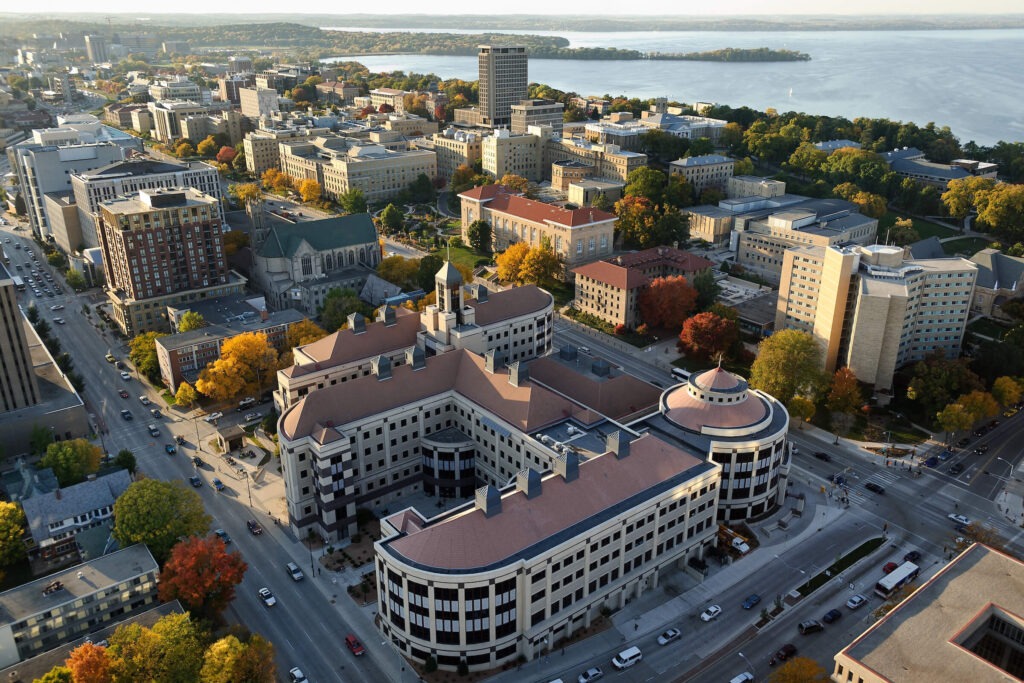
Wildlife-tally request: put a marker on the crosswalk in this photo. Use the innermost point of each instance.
(854, 490)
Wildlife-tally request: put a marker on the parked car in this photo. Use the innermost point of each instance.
(912, 556)
(249, 417)
(125, 375)
(266, 597)
(856, 601)
(874, 488)
(810, 626)
(294, 571)
(931, 462)
(195, 481)
(217, 484)
(213, 416)
(59, 321)
(354, 646)
(710, 613)
(831, 616)
(590, 675)
(295, 675)
(126, 414)
(197, 461)
(155, 412)
(254, 527)
(751, 600)
(889, 567)
(669, 635)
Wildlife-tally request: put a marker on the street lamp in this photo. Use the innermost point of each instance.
(789, 565)
(752, 672)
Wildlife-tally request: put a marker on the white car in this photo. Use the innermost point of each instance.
(249, 417)
(295, 675)
(856, 601)
(144, 400)
(57, 307)
(267, 597)
(590, 675)
(59, 321)
(710, 613)
(125, 375)
(213, 416)
(958, 519)
(668, 636)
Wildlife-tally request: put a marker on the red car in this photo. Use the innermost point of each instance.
(889, 567)
(354, 645)
(123, 393)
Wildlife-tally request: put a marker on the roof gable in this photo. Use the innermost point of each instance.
(322, 235)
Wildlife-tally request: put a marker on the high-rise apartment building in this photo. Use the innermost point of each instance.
(238, 64)
(158, 244)
(257, 102)
(18, 387)
(872, 310)
(96, 48)
(503, 82)
(519, 154)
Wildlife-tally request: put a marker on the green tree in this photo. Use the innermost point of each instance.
(679, 192)
(801, 408)
(191, 320)
(1007, 390)
(39, 439)
(58, 674)
(142, 352)
(807, 159)
(789, 364)
(353, 201)
(427, 269)
(954, 418)
(338, 304)
(392, 218)
(125, 459)
(12, 533)
(71, 460)
(479, 234)
(937, 380)
(636, 219)
(158, 513)
(646, 182)
(707, 289)
(169, 652)
(76, 280)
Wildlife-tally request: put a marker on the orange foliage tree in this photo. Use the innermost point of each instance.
(667, 302)
(89, 663)
(707, 335)
(202, 575)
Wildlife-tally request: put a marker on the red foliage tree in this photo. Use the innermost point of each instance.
(226, 154)
(667, 302)
(202, 575)
(89, 664)
(385, 109)
(706, 335)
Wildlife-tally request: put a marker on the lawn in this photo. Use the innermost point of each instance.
(924, 228)
(968, 246)
(461, 256)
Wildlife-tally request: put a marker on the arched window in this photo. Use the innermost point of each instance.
(329, 262)
(307, 265)
(351, 257)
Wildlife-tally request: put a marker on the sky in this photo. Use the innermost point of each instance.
(593, 7)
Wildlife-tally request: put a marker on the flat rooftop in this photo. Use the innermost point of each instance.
(78, 582)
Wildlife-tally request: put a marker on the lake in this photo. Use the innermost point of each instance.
(971, 81)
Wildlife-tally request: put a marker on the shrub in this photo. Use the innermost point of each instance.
(620, 329)
(430, 665)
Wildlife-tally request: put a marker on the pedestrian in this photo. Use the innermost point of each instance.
(636, 627)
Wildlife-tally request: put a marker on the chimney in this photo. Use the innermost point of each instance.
(518, 374)
(528, 482)
(264, 316)
(356, 323)
(494, 360)
(568, 466)
(415, 358)
(381, 366)
(618, 443)
(488, 499)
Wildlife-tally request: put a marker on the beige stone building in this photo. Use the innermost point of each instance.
(1000, 279)
(577, 236)
(753, 186)
(705, 171)
(873, 311)
(389, 96)
(262, 146)
(410, 125)
(257, 102)
(611, 289)
(167, 116)
(609, 161)
(503, 153)
(453, 148)
(337, 92)
(537, 113)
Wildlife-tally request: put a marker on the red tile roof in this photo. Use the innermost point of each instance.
(510, 303)
(682, 260)
(503, 199)
(344, 346)
(613, 275)
(617, 397)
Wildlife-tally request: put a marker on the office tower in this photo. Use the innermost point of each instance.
(503, 82)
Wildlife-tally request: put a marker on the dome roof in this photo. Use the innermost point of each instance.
(715, 398)
(717, 379)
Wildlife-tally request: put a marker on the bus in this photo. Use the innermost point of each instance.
(19, 284)
(898, 578)
(680, 374)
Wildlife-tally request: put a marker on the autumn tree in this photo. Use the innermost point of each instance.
(400, 271)
(799, 670)
(12, 533)
(247, 363)
(338, 305)
(235, 240)
(58, 674)
(962, 194)
(789, 364)
(706, 335)
(510, 262)
(870, 204)
(142, 352)
(226, 154)
(72, 460)
(229, 660)
(977, 532)
(392, 218)
(667, 301)
(191, 320)
(247, 192)
(353, 200)
(303, 332)
(844, 395)
(937, 380)
(515, 182)
(954, 418)
(202, 575)
(636, 217)
(207, 147)
(1002, 209)
(541, 265)
(479, 234)
(184, 150)
(979, 404)
(1006, 390)
(801, 408)
(169, 652)
(309, 190)
(902, 232)
(185, 395)
(89, 663)
(158, 513)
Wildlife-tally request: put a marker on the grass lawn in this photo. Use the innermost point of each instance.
(968, 246)
(988, 328)
(924, 228)
(863, 550)
(461, 256)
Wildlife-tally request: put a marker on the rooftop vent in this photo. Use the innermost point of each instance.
(415, 358)
(381, 366)
(601, 368)
(568, 466)
(386, 315)
(488, 499)
(528, 482)
(618, 443)
(494, 360)
(356, 323)
(518, 374)
(568, 352)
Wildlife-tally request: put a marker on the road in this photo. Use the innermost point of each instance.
(309, 622)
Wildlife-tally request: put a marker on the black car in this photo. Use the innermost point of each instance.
(197, 461)
(874, 488)
(126, 414)
(956, 468)
(963, 442)
(980, 431)
(983, 448)
(832, 615)
(821, 455)
(912, 556)
(785, 652)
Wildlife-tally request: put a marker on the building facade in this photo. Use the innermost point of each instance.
(503, 82)
(167, 116)
(258, 101)
(537, 113)
(176, 88)
(262, 146)
(389, 96)
(18, 386)
(521, 155)
(705, 171)
(454, 148)
(609, 160)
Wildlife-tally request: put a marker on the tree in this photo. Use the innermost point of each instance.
(309, 190)
(353, 200)
(801, 408)
(399, 271)
(226, 155)
(12, 533)
(962, 194)
(706, 335)
(515, 182)
(191, 320)
(303, 332)
(89, 663)
(1002, 209)
(799, 670)
(338, 304)
(186, 395)
(807, 159)
(979, 404)
(1006, 390)
(871, 205)
(202, 575)
(58, 674)
(645, 182)
(248, 362)
(256, 662)
(71, 460)
(247, 192)
(158, 513)
(392, 218)
(238, 163)
(39, 439)
(479, 234)
(208, 147)
(844, 394)
(707, 288)
(667, 302)
(976, 532)
(937, 380)
(541, 264)
(902, 232)
(954, 418)
(789, 364)
(235, 240)
(142, 352)
(510, 262)
(125, 459)
(170, 652)
(636, 218)
(184, 150)
(229, 660)
(428, 267)
(76, 280)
